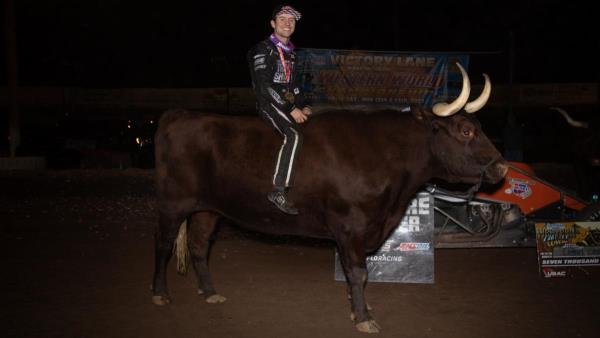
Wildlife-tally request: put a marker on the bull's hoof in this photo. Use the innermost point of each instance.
(369, 326)
(215, 299)
(161, 300)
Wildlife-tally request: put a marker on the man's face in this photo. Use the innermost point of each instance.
(284, 25)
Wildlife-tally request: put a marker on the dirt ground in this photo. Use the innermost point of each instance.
(78, 249)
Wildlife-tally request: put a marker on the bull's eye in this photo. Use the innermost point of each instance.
(467, 132)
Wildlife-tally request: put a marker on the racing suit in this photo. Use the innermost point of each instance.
(278, 92)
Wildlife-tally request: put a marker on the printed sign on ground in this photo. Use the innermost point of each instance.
(565, 246)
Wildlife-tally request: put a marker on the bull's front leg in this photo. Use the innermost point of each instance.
(353, 259)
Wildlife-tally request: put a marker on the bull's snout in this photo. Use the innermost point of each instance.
(495, 172)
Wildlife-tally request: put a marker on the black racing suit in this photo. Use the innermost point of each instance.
(271, 87)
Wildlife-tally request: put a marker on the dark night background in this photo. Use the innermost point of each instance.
(111, 43)
(77, 243)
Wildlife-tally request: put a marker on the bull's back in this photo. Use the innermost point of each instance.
(241, 151)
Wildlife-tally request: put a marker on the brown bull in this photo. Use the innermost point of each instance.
(355, 176)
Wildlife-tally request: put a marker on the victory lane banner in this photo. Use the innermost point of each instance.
(407, 255)
(567, 246)
(352, 78)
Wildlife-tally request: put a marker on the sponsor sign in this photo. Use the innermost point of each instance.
(407, 255)
(519, 187)
(347, 78)
(567, 245)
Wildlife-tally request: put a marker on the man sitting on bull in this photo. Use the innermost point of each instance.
(280, 99)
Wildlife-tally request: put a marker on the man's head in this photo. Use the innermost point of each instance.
(283, 21)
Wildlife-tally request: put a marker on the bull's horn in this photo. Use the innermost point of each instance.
(570, 121)
(447, 109)
(479, 102)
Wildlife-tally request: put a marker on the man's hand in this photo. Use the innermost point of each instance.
(299, 115)
(307, 111)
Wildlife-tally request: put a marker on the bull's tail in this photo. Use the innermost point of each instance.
(180, 249)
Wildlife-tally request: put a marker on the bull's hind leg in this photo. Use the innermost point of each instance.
(202, 225)
(164, 239)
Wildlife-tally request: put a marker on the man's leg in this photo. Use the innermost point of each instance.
(284, 169)
(292, 142)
